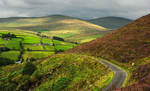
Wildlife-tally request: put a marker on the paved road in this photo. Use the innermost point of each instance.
(119, 76)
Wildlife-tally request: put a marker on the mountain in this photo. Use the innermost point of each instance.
(126, 44)
(111, 22)
(128, 47)
(69, 28)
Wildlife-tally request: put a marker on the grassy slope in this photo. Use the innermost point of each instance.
(111, 22)
(125, 47)
(59, 72)
(57, 25)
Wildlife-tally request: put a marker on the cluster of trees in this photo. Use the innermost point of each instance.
(8, 36)
(57, 51)
(28, 68)
(5, 61)
(2, 49)
(58, 38)
(21, 51)
(39, 34)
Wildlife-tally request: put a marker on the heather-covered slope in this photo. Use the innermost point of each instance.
(111, 22)
(140, 78)
(129, 43)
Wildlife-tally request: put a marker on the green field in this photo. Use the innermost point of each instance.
(31, 40)
(12, 55)
(49, 48)
(3, 41)
(36, 54)
(33, 45)
(14, 43)
(46, 40)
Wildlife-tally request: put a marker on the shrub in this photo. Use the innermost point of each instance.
(57, 51)
(2, 49)
(5, 61)
(58, 38)
(28, 68)
(32, 59)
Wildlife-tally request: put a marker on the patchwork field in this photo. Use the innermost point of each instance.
(28, 44)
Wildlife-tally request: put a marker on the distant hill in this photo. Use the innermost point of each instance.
(69, 28)
(111, 22)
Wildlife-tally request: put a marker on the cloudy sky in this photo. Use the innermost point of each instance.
(78, 8)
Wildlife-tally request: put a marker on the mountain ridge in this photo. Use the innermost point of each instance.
(111, 22)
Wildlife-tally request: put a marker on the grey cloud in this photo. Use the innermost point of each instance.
(77, 8)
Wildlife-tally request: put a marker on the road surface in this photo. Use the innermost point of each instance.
(119, 76)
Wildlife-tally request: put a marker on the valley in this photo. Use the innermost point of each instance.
(63, 53)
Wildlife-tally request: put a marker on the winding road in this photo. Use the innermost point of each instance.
(119, 76)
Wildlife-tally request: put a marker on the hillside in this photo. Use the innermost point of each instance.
(140, 78)
(69, 28)
(126, 44)
(111, 22)
(60, 72)
(128, 47)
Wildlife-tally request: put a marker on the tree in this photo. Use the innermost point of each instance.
(5, 61)
(32, 59)
(58, 38)
(8, 36)
(28, 68)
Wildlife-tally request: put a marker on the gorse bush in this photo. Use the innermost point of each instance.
(28, 68)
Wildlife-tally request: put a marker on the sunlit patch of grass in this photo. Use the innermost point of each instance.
(50, 48)
(46, 40)
(65, 35)
(36, 54)
(31, 40)
(32, 47)
(2, 41)
(14, 43)
(12, 55)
